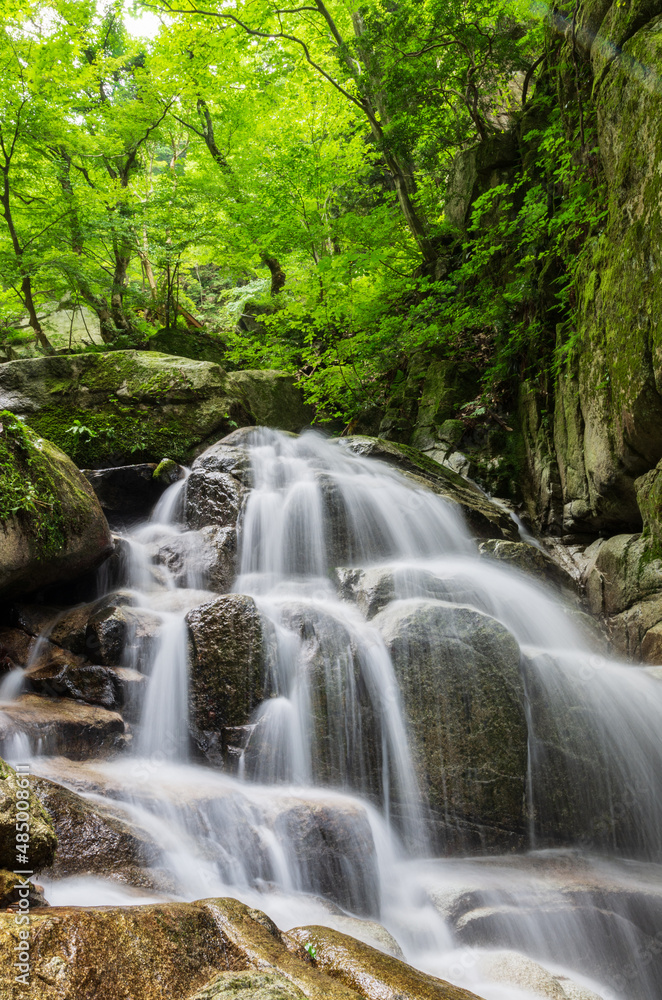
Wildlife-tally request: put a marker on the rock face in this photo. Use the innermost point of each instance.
(51, 525)
(142, 405)
(43, 839)
(458, 670)
(226, 670)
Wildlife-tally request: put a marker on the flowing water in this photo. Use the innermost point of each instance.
(324, 819)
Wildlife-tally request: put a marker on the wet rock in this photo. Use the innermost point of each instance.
(117, 634)
(31, 618)
(249, 986)
(92, 840)
(205, 558)
(374, 588)
(63, 726)
(212, 498)
(335, 852)
(15, 646)
(369, 972)
(57, 535)
(43, 839)
(86, 682)
(231, 455)
(484, 518)
(226, 669)
(459, 674)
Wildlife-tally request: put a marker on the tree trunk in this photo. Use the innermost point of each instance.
(26, 281)
(278, 276)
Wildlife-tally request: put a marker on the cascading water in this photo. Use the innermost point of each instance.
(329, 749)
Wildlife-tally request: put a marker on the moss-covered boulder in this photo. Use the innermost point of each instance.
(52, 528)
(484, 518)
(120, 407)
(649, 499)
(226, 671)
(459, 673)
(15, 789)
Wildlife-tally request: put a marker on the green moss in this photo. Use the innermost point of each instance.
(28, 492)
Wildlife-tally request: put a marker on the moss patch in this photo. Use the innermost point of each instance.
(28, 492)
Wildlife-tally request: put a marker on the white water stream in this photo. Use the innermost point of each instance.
(310, 758)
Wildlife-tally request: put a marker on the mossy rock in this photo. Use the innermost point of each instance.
(120, 407)
(52, 528)
(43, 839)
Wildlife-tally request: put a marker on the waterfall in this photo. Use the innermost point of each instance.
(328, 812)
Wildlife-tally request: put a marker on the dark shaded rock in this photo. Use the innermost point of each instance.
(43, 840)
(226, 669)
(63, 726)
(459, 673)
(15, 646)
(52, 528)
(127, 493)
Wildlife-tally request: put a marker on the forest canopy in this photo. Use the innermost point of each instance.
(271, 177)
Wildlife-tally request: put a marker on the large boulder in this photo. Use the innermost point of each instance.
(226, 670)
(15, 788)
(52, 528)
(459, 673)
(128, 406)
